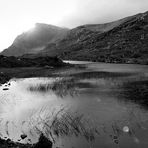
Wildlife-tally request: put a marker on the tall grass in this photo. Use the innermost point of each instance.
(61, 87)
(65, 123)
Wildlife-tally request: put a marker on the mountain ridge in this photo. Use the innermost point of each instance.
(121, 41)
(35, 40)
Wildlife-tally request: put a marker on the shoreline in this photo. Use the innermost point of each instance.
(42, 142)
(24, 72)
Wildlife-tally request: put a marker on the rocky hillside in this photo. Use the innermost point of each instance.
(35, 40)
(79, 34)
(122, 41)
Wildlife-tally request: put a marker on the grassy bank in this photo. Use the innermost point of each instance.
(25, 72)
(20, 67)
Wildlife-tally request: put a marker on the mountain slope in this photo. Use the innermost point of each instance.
(80, 34)
(35, 40)
(123, 41)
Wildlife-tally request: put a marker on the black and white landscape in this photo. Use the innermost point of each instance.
(76, 86)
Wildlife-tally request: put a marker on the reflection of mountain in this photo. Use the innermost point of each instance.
(100, 74)
(136, 91)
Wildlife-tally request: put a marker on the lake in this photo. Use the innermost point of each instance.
(98, 105)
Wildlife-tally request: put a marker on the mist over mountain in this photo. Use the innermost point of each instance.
(121, 41)
(35, 40)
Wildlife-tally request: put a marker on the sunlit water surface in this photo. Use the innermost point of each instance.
(87, 108)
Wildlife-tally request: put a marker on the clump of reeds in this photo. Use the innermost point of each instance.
(65, 123)
(61, 87)
(40, 87)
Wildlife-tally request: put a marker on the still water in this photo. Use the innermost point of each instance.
(101, 105)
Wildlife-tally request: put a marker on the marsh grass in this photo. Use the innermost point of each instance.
(64, 123)
(40, 87)
(61, 87)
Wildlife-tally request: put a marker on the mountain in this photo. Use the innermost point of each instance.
(121, 41)
(77, 35)
(35, 40)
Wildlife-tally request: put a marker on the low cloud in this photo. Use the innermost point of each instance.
(102, 11)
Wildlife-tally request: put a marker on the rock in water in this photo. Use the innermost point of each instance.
(23, 136)
(43, 142)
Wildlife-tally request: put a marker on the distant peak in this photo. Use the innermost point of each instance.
(45, 25)
(42, 25)
(146, 12)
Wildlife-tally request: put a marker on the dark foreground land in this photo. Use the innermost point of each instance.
(42, 143)
(11, 62)
(19, 67)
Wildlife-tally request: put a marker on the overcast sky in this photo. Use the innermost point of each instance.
(17, 16)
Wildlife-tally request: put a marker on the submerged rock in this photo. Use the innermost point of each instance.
(23, 136)
(5, 88)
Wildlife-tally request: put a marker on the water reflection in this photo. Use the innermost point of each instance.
(136, 91)
(100, 74)
(61, 87)
(63, 123)
(80, 109)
